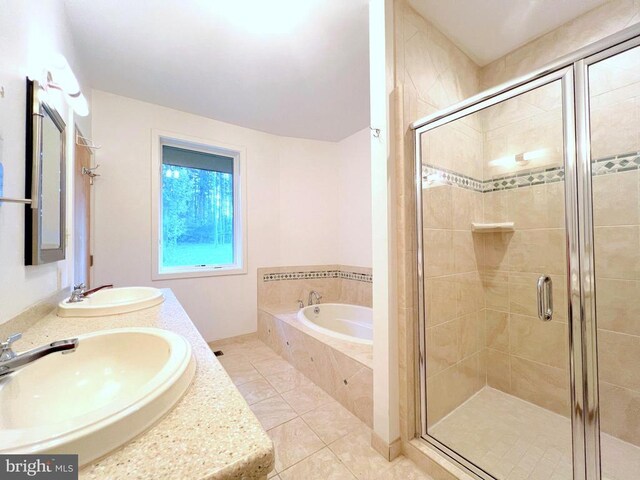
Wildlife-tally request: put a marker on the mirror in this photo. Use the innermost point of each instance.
(45, 180)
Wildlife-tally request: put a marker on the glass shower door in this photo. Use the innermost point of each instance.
(614, 110)
(494, 282)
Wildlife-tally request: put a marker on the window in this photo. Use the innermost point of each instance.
(199, 212)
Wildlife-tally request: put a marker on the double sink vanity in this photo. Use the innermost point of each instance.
(135, 391)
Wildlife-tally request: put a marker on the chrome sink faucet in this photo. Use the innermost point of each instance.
(11, 361)
(314, 295)
(78, 293)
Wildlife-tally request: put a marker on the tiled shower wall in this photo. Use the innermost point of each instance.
(453, 297)
(526, 357)
(615, 120)
(431, 74)
(284, 286)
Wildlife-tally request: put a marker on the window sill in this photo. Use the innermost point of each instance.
(197, 272)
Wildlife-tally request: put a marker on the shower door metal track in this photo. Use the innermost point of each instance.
(572, 71)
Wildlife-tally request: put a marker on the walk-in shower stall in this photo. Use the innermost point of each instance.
(528, 225)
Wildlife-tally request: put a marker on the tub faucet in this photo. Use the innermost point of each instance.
(11, 361)
(313, 294)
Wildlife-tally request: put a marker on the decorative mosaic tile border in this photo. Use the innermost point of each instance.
(525, 179)
(617, 163)
(280, 276)
(358, 277)
(433, 176)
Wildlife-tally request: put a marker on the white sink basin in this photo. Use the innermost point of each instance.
(112, 301)
(115, 385)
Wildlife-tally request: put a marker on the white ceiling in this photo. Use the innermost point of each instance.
(488, 29)
(295, 68)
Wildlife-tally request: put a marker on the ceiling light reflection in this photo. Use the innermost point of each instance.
(275, 17)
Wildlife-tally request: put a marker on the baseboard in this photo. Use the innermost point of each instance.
(390, 451)
(229, 340)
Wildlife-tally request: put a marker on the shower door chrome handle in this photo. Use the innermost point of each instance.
(545, 298)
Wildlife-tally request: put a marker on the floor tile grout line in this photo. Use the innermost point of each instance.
(300, 416)
(314, 452)
(305, 458)
(346, 466)
(292, 388)
(325, 444)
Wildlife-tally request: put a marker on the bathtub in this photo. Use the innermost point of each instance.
(347, 322)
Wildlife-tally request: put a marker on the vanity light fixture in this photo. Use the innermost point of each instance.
(60, 77)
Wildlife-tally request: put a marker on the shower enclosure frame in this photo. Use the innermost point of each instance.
(572, 71)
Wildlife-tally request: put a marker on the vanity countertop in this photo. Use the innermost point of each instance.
(210, 434)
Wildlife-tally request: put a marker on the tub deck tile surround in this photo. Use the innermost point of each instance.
(278, 286)
(210, 434)
(325, 442)
(359, 352)
(338, 367)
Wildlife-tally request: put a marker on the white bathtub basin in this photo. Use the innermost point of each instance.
(112, 301)
(347, 322)
(114, 386)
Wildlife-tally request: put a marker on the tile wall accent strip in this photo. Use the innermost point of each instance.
(616, 163)
(536, 176)
(358, 277)
(280, 276)
(433, 176)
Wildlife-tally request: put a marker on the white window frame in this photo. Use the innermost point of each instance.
(238, 153)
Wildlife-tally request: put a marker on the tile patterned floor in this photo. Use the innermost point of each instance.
(314, 436)
(516, 440)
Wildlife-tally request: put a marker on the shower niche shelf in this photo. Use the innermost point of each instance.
(492, 227)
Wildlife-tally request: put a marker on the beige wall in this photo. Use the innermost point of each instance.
(529, 125)
(324, 205)
(293, 207)
(32, 32)
(525, 357)
(336, 284)
(607, 19)
(452, 287)
(432, 73)
(522, 355)
(615, 89)
(354, 200)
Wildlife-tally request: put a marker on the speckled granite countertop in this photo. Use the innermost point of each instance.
(210, 434)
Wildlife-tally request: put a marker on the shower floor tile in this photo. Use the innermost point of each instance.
(515, 440)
